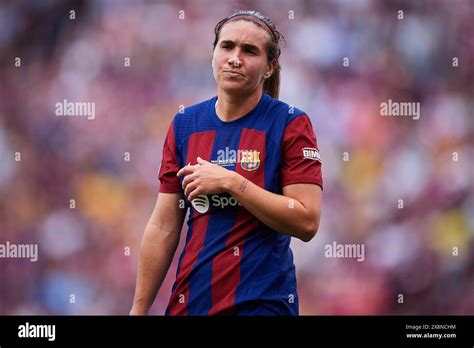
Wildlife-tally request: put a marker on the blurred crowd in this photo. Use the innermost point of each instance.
(83, 189)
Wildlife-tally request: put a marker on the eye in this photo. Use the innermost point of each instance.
(251, 51)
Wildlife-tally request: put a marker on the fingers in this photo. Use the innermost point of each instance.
(202, 161)
(190, 184)
(189, 189)
(187, 179)
(196, 192)
(189, 169)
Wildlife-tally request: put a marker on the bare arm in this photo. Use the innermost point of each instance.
(296, 213)
(159, 243)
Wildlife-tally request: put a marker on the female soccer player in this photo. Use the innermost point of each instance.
(248, 167)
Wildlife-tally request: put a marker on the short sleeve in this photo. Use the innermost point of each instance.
(169, 182)
(301, 160)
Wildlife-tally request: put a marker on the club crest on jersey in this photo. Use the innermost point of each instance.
(311, 153)
(250, 160)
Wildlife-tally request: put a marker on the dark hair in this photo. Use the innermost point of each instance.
(271, 85)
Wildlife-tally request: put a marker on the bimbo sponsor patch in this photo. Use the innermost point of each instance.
(311, 153)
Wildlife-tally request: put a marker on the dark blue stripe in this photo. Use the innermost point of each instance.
(220, 223)
(267, 269)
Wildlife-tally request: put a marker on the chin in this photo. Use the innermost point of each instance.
(232, 87)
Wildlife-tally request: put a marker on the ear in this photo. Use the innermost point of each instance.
(270, 69)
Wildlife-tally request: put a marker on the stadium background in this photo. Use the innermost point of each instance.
(82, 251)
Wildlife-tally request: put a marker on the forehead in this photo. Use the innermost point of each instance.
(244, 31)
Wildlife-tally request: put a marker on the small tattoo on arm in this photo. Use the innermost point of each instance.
(243, 185)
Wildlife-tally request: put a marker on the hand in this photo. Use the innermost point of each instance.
(138, 311)
(204, 178)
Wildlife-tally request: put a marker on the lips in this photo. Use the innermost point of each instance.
(233, 73)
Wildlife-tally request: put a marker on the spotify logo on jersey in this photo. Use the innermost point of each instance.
(201, 203)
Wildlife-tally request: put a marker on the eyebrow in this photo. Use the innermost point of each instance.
(245, 45)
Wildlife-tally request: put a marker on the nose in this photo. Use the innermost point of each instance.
(234, 58)
(234, 62)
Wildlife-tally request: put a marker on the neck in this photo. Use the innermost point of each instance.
(233, 107)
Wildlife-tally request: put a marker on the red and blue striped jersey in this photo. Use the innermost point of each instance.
(231, 260)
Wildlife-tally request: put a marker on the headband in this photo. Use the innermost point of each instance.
(255, 19)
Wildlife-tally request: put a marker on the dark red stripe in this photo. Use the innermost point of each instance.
(168, 181)
(200, 144)
(226, 265)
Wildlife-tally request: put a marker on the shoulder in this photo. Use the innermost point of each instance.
(186, 114)
(189, 119)
(285, 112)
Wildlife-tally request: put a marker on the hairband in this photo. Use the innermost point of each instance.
(255, 19)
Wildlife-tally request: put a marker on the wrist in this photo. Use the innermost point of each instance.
(139, 308)
(230, 182)
(138, 311)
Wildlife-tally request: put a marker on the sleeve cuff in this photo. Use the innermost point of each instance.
(302, 180)
(170, 188)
